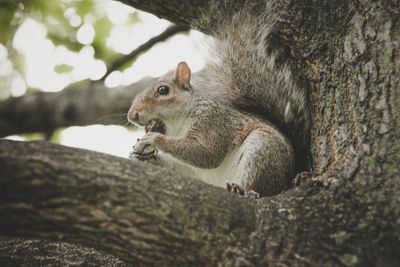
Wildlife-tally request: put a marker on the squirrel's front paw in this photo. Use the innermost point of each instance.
(145, 155)
(145, 147)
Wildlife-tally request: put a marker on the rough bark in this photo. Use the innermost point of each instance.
(203, 15)
(145, 215)
(140, 213)
(78, 105)
(345, 214)
(27, 252)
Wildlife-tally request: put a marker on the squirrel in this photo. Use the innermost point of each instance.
(241, 123)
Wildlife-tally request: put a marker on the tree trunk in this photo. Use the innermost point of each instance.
(347, 213)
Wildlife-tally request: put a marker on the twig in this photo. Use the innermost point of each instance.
(170, 31)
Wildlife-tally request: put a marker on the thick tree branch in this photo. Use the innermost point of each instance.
(77, 105)
(203, 15)
(142, 215)
(171, 31)
(146, 215)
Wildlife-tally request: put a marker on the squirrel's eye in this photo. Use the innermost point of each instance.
(163, 90)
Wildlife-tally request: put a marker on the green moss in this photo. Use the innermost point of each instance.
(340, 237)
(349, 259)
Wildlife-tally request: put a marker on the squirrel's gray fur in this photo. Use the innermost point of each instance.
(243, 68)
(231, 120)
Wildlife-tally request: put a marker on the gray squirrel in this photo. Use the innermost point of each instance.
(241, 123)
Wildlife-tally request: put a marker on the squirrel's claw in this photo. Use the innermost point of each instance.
(145, 145)
(145, 148)
(238, 189)
(148, 153)
(234, 188)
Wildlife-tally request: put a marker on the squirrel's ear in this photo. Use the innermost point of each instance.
(183, 73)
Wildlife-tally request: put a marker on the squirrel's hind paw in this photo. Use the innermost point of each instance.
(238, 189)
(234, 188)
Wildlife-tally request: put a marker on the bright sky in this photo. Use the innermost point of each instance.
(42, 55)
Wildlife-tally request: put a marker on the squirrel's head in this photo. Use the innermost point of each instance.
(166, 99)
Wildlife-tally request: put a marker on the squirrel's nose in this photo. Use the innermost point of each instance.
(133, 116)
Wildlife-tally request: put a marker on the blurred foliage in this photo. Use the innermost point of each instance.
(8, 19)
(63, 68)
(56, 136)
(33, 136)
(62, 20)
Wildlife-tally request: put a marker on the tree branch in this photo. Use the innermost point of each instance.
(203, 15)
(170, 31)
(140, 213)
(77, 105)
(146, 215)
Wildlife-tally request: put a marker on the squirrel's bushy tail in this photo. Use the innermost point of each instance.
(244, 67)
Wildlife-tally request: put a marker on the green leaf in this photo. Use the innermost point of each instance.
(63, 68)
(102, 28)
(84, 7)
